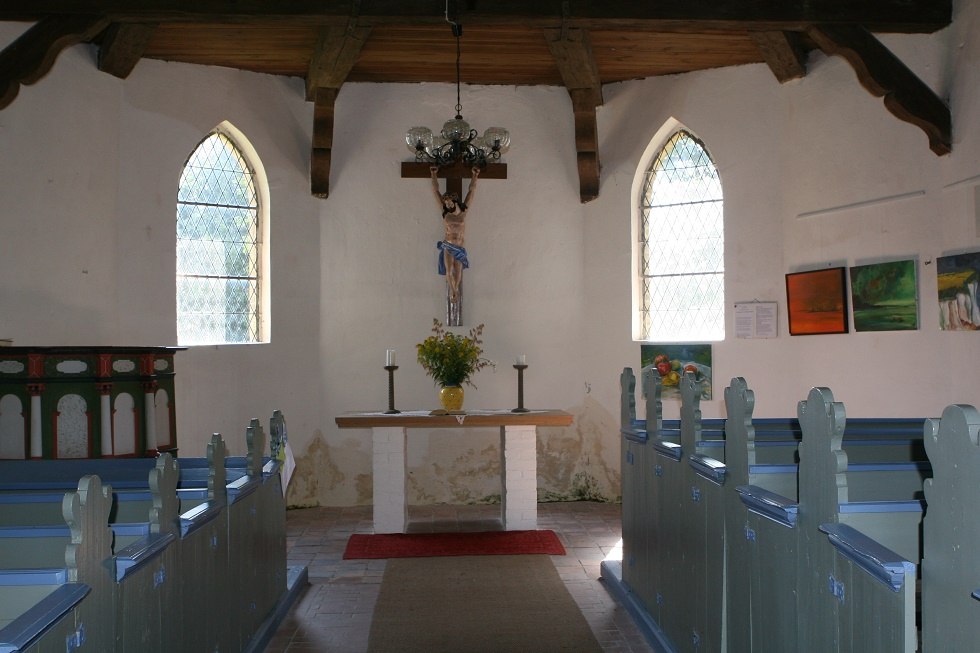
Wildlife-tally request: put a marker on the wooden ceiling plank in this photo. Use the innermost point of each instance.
(336, 51)
(884, 75)
(31, 56)
(909, 16)
(123, 46)
(784, 54)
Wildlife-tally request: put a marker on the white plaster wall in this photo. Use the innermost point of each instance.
(381, 289)
(89, 166)
(789, 150)
(88, 173)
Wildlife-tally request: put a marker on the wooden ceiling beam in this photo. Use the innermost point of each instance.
(31, 56)
(784, 53)
(123, 46)
(572, 51)
(320, 153)
(335, 53)
(902, 16)
(884, 75)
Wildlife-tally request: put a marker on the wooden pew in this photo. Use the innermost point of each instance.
(59, 608)
(837, 585)
(694, 524)
(951, 547)
(229, 550)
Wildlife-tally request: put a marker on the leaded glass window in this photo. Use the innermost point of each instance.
(218, 282)
(682, 245)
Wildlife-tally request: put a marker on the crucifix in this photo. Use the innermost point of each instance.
(452, 252)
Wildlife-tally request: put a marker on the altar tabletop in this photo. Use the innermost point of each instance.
(425, 419)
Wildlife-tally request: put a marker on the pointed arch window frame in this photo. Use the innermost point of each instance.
(693, 284)
(259, 330)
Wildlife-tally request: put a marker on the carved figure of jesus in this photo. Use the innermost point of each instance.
(452, 249)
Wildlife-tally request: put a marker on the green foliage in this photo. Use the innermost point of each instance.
(585, 487)
(452, 359)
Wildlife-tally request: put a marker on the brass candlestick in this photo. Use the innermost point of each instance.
(391, 390)
(520, 389)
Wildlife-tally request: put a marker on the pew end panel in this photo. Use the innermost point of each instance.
(951, 536)
(874, 588)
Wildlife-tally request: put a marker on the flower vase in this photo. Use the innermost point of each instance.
(451, 397)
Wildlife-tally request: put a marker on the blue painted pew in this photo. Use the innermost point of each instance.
(225, 550)
(771, 557)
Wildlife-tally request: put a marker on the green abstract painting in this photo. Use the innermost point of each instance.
(884, 296)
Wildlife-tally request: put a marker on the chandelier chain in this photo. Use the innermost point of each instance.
(459, 104)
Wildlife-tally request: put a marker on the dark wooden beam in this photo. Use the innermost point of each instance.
(336, 52)
(572, 51)
(909, 16)
(454, 174)
(884, 75)
(122, 47)
(31, 56)
(323, 110)
(783, 52)
(334, 55)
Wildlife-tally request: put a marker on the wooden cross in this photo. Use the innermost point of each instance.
(454, 175)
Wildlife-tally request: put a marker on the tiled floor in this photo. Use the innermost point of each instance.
(334, 612)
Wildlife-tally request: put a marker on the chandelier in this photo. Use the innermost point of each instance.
(457, 142)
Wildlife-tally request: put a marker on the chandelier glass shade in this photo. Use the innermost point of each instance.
(457, 141)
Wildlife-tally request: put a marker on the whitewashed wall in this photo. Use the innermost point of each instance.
(89, 166)
(789, 150)
(88, 173)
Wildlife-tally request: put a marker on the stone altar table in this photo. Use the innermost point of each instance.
(518, 459)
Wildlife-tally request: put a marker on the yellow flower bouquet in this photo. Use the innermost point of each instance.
(452, 359)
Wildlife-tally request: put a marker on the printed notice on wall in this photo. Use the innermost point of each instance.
(755, 320)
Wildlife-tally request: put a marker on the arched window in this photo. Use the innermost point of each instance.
(219, 245)
(681, 245)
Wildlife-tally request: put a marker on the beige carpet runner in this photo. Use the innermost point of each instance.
(474, 604)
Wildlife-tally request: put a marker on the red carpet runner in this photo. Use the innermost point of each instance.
(420, 545)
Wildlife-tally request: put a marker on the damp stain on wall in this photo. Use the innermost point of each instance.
(454, 476)
(580, 462)
(314, 471)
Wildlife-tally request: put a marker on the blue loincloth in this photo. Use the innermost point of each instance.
(457, 252)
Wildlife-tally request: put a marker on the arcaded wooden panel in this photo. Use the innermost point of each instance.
(272, 50)
(630, 55)
(490, 55)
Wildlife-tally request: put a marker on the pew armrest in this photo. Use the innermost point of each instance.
(198, 516)
(879, 561)
(769, 504)
(636, 431)
(668, 449)
(242, 487)
(713, 470)
(137, 554)
(20, 632)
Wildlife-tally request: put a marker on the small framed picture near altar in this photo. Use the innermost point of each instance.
(817, 301)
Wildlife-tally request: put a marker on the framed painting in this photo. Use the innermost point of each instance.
(884, 296)
(817, 302)
(673, 360)
(958, 277)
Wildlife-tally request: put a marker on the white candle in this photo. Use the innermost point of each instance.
(522, 360)
(389, 357)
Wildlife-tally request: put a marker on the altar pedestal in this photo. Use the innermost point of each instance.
(518, 459)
